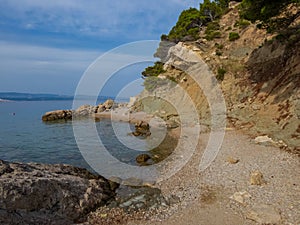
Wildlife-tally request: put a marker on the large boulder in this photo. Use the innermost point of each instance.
(49, 194)
(57, 115)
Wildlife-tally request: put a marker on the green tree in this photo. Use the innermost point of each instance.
(262, 9)
(210, 10)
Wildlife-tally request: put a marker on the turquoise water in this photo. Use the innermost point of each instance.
(25, 138)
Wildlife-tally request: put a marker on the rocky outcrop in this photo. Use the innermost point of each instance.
(49, 194)
(261, 81)
(82, 111)
(57, 115)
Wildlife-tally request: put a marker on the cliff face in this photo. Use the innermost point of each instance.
(261, 81)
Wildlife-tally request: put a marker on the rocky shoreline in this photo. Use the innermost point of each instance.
(33, 193)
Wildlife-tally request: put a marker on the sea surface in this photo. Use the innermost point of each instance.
(24, 137)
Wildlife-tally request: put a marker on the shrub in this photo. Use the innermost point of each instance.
(154, 71)
(221, 73)
(233, 36)
(219, 46)
(228, 28)
(212, 31)
(242, 24)
(188, 24)
(152, 83)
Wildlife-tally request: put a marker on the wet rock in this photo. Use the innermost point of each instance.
(49, 194)
(142, 128)
(264, 214)
(57, 115)
(142, 158)
(256, 178)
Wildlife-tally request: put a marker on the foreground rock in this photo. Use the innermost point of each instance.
(49, 194)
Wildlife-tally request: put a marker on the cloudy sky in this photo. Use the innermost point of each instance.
(46, 46)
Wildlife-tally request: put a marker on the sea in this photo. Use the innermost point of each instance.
(24, 137)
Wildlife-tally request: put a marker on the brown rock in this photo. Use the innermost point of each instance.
(108, 104)
(232, 160)
(142, 158)
(256, 178)
(57, 115)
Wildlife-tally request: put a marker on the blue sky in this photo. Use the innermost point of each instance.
(45, 46)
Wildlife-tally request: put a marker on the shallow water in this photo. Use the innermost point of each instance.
(25, 138)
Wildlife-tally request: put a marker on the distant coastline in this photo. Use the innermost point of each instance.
(16, 96)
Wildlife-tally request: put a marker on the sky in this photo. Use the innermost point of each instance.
(47, 46)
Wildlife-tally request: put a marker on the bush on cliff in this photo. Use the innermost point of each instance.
(262, 9)
(154, 71)
(191, 20)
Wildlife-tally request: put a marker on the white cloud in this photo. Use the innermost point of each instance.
(47, 69)
(95, 17)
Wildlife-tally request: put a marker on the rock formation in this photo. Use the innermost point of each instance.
(49, 194)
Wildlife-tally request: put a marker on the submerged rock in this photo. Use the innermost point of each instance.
(49, 194)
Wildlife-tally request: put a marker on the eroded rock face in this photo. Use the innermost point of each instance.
(49, 194)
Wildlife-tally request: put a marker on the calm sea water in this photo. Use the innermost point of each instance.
(25, 138)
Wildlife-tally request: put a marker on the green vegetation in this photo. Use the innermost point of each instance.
(187, 26)
(233, 36)
(154, 71)
(221, 73)
(264, 10)
(152, 83)
(212, 30)
(190, 21)
(242, 23)
(219, 46)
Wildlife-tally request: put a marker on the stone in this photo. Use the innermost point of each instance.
(142, 158)
(264, 140)
(108, 104)
(141, 198)
(85, 110)
(232, 160)
(256, 178)
(132, 181)
(264, 214)
(240, 196)
(49, 194)
(142, 128)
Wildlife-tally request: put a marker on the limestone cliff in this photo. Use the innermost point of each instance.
(259, 74)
